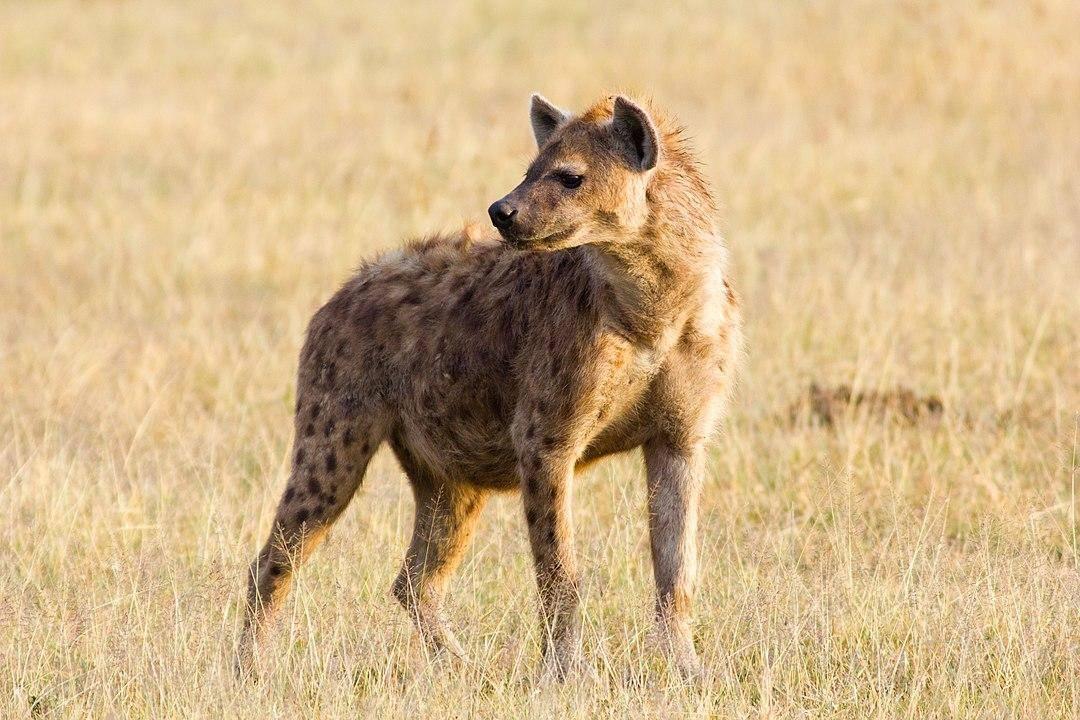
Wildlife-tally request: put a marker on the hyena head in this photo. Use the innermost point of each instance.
(588, 181)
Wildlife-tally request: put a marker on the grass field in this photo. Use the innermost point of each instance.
(182, 184)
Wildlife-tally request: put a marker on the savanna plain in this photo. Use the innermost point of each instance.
(182, 184)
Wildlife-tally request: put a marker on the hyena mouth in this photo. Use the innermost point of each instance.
(512, 240)
(543, 242)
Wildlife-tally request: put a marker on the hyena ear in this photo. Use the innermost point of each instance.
(636, 135)
(545, 118)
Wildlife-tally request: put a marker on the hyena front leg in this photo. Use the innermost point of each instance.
(547, 496)
(330, 457)
(674, 485)
(445, 517)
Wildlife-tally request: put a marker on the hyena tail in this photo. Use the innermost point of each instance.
(330, 456)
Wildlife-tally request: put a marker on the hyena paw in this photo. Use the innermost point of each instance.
(691, 669)
(677, 645)
(243, 665)
(569, 668)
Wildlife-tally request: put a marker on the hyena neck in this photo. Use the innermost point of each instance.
(661, 273)
(653, 282)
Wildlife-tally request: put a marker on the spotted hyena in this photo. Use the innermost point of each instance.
(599, 320)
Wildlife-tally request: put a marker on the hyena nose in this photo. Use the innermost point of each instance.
(502, 214)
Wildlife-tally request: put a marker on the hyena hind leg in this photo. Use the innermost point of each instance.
(328, 466)
(446, 514)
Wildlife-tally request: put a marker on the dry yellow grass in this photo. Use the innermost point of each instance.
(182, 184)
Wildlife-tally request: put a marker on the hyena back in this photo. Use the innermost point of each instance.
(600, 321)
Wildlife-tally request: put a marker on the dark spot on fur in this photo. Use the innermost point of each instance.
(341, 347)
(364, 315)
(313, 486)
(469, 322)
(531, 485)
(550, 536)
(348, 438)
(530, 516)
(302, 515)
(549, 442)
(309, 430)
(276, 570)
(290, 493)
(331, 461)
(350, 403)
(607, 217)
(329, 429)
(584, 298)
(315, 408)
(364, 447)
(299, 456)
(530, 431)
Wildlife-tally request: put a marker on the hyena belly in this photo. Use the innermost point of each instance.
(458, 420)
(458, 431)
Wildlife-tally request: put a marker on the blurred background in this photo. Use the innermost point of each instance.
(183, 183)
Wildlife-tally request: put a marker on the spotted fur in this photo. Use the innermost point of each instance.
(602, 320)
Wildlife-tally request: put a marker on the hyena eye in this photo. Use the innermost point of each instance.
(570, 181)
